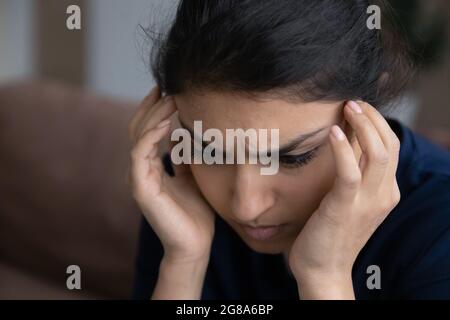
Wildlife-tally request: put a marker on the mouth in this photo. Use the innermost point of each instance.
(263, 233)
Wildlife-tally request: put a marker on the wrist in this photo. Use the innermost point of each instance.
(177, 258)
(180, 278)
(182, 262)
(325, 286)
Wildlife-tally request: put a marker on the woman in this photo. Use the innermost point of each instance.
(360, 205)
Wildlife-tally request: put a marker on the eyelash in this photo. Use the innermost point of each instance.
(296, 161)
(287, 161)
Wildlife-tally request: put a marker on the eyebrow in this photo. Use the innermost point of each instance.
(298, 141)
(284, 149)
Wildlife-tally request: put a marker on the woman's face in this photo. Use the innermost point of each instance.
(239, 193)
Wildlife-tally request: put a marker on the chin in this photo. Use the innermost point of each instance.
(267, 247)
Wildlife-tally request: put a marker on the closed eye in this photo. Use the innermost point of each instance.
(296, 161)
(289, 161)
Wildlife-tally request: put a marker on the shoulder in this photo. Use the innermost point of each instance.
(423, 176)
(423, 172)
(412, 245)
(418, 155)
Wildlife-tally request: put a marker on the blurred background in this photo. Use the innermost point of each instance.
(66, 97)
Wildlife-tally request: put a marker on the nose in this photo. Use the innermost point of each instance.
(252, 194)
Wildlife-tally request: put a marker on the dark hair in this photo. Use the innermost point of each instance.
(293, 49)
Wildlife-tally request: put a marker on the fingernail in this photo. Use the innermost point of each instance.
(337, 132)
(354, 106)
(163, 124)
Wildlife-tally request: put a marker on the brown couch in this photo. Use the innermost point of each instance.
(64, 199)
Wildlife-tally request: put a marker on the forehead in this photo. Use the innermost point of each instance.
(226, 111)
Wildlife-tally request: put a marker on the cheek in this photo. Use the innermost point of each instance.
(302, 192)
(299, 192)
(213, 182)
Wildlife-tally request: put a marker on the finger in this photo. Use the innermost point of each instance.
(380, 123)
(390, 139)
(145, 151)
(162, 110)
(348, 174)
(146, 165)
(146, 103)
(179, 169)
(376, 155)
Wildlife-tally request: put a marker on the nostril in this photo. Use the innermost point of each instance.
(249, 208)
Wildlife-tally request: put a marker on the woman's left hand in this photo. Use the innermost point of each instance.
(363, 194)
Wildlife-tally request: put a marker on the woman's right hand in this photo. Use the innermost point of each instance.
(173, 206)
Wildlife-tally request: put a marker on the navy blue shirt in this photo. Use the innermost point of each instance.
(411, 247)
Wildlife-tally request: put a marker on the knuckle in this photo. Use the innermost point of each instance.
(141, 139)
(135, 154)
(382, 157)
(396, 195)
(361, 122)
(138, 189)
(366, 123)
(389, 204)
(395, 143)
(136, 193)
(352, 181)
(385, 206)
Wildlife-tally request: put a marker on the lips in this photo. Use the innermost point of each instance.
(263, 233)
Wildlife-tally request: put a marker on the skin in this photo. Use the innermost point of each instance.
(331, 206)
